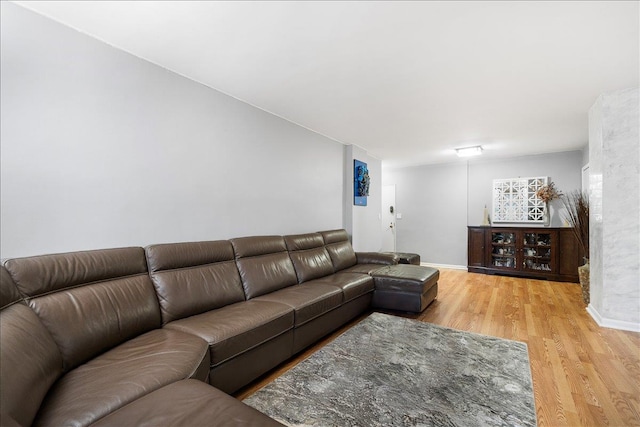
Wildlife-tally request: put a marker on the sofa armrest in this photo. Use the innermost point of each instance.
(377, 258)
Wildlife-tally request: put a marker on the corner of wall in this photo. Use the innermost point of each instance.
(362, 222)
(347, 189)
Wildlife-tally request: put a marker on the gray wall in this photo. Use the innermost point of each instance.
(433, 203)
(363, 222)
(102, 149)
(437, 202)
(564, 169)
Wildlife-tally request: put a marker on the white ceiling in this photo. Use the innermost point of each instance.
(407, 81)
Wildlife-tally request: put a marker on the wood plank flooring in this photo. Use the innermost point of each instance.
(583, 375)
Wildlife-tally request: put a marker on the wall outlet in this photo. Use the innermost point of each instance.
(399, 216)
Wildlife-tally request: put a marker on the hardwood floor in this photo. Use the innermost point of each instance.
(583, 375)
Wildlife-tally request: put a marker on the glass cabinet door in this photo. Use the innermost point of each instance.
(503, 250)
(536, 251)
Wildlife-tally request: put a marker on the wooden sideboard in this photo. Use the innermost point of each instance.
(537, 252)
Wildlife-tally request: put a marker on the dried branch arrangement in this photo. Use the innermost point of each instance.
(577, 205)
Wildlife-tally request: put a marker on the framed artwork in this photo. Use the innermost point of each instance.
(360, 183)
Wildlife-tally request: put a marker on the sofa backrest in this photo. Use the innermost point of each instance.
(89, 301)
(30, 361)
(191, 278)
(309, 256)
(264, 264)
(339, 248)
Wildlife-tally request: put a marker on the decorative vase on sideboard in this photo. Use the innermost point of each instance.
(546, 215)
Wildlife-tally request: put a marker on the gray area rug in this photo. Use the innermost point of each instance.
(391, 371)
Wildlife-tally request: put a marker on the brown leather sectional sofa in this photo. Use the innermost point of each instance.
(120, 336)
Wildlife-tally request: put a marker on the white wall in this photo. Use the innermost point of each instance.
(585, 155)
(437, 202)
(614, 195)
(102, 149)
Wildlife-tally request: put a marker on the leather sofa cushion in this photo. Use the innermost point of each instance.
(342, 255)
(339, 248)
(245, 247)
(353, 285)
(334, 236)
(264, 264)
(194, 290)
(192, 278)
(237, 328)
(310, 259)
(187, 403)
(8, 291)
(88, 320)
(383, 258)
(40, 275)
(89, 301)
(29, 362)
(308, 301)
(123, 374)
(7, 420)
(300, 242)
(311, 264)
(363, 268)
(169, 256)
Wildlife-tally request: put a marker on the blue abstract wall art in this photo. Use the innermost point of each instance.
(360, 183)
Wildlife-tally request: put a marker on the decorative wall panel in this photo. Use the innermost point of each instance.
(514, 200)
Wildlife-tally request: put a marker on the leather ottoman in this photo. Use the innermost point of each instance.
(405, 287)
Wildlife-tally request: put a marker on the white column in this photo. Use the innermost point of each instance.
(614, 195)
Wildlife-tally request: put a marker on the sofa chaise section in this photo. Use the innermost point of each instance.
(100, 311)
(201, 293)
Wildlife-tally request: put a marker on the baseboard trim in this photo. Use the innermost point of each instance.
(449, 266)
(612, 323)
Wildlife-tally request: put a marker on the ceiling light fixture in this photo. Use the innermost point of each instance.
(469, 151)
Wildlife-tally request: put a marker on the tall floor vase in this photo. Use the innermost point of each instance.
(583, 275)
